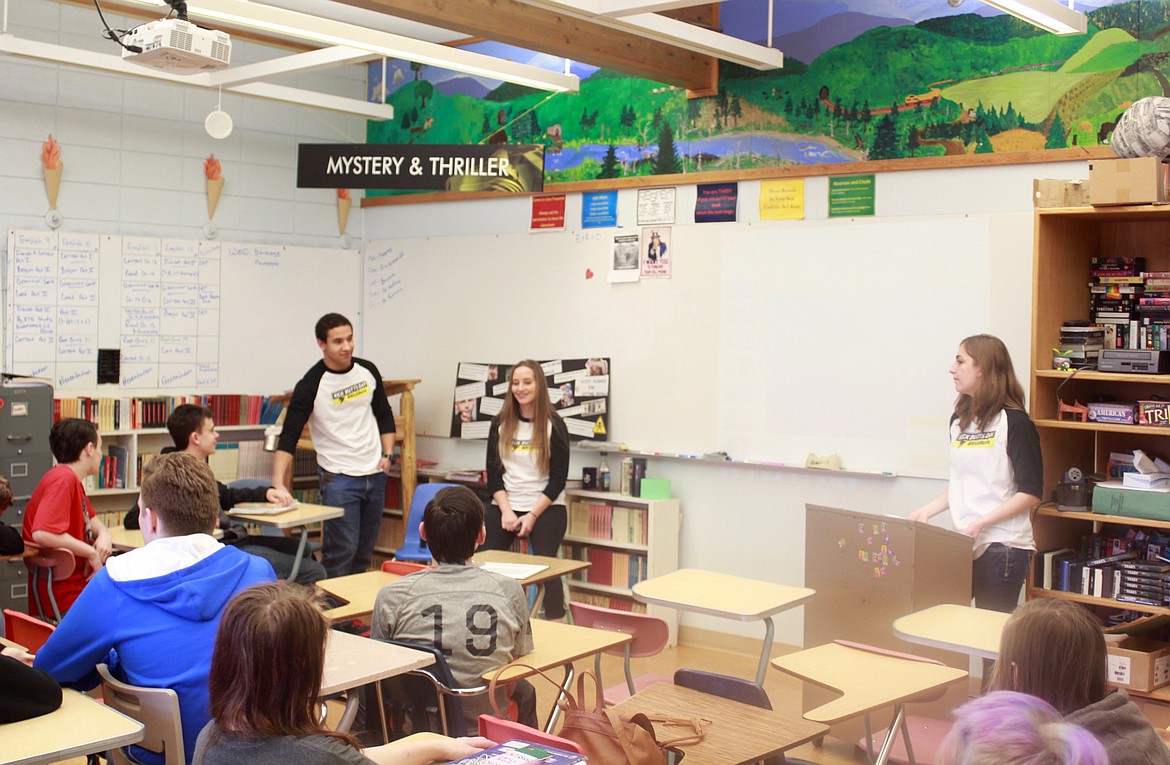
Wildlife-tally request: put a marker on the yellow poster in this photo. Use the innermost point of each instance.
(782, 200)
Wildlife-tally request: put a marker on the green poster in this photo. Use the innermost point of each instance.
(850, 196)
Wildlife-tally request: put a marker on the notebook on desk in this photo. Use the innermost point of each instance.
(261, 508)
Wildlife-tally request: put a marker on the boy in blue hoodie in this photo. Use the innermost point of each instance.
(155, 610)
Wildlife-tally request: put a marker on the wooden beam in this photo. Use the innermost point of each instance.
(526, 26)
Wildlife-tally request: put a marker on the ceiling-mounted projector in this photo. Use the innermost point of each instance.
(178, 47)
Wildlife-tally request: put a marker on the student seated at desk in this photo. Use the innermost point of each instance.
(1006, 728)
(25, 692)
(158, 607)
(60, 515)
(265, 677)
(10, 541)
(192, 428)
(479, 618)
(1055, 650)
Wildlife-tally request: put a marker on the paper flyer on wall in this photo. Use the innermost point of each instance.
(656, 206)
(656, 252)
(624, 267)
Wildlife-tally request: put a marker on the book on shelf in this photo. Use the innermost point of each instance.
(615, 602)
(1135, 480)
(136, 413)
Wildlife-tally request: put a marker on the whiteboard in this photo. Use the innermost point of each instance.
(191, 316)
(771, 340)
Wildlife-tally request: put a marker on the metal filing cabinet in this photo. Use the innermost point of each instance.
(26, 416)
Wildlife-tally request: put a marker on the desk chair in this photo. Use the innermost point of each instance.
(156, 708)
(402, 568)
(735, 689)
(501, 731)
(651, 634)
(24, 629)
(422, 697)
(52, 563)
(413, 548)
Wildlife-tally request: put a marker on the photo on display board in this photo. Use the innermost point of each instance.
(578, 389)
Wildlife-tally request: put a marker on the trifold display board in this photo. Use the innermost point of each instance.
(180, 315)
(770, 341)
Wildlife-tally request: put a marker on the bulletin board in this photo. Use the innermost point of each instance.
(578, 390)
(181, 315)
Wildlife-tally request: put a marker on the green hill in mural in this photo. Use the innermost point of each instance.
(951, 85)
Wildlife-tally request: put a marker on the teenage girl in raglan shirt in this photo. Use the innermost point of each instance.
(997, 472)
(527, 464)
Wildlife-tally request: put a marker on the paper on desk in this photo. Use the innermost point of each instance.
(261, 508)
(513, 570)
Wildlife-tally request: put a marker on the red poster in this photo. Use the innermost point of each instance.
(548, 213)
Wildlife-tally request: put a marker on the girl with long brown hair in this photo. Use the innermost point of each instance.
(527, 465)
(997, 472)
(266, 675)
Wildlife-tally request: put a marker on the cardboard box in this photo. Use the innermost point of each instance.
(1054, 192)
(1156, 413)
(1139, 664)
(1127, 181)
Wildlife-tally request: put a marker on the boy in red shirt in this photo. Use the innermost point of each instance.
(60, 515)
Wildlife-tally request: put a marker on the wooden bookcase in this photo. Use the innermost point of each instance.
(656, 556)
(1066, 239)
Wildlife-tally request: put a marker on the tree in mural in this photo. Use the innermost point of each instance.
(666, 162)
(1056, 139)
(424, 90)
(885, 140)
(609, 165)
(417, 68)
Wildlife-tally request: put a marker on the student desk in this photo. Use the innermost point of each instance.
(124, 539)
(559, 645)
(735, 733)
(352, 661)
(869, 680)
(557, 568)
(299, 517)
(360, 590)
(5, 642)
(81, 726)
(725, 596)
(966, 629)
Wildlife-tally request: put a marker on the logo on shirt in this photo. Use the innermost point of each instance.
(975, 440)
(521, 446)
(356, 391)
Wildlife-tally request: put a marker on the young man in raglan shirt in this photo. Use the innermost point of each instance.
(342, 399)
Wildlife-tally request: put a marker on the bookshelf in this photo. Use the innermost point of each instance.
(627, 539)
(1065, 240)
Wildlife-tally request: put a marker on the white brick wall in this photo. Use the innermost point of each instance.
(133, 148)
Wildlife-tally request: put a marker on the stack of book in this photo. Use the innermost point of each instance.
(1114, 290)
(1143, 581)
(1081, 344)
(1154, 310)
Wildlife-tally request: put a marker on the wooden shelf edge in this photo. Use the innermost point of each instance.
(607, 589)
(630, 546)
(1105, 518)
(1076, 597)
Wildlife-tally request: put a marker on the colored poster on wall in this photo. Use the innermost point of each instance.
(656, 253)
(782, 200)
(578, 390)
(716, 202)
(851, 196)
(548, 213)
(598, 209)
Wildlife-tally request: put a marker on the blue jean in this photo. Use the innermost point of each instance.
(348, 542)
(997, 576)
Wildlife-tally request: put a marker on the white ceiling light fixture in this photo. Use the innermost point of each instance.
(302, 26)
(664, 29)
(1049, 15)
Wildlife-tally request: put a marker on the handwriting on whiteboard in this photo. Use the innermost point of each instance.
(383, 275)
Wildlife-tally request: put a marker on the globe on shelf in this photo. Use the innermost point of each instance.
(1143, 130)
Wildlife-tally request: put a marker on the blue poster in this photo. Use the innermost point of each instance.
(598, 209)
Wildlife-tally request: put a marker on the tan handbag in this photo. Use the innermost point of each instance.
(606, 737)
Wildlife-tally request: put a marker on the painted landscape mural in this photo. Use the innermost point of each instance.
(863, 80)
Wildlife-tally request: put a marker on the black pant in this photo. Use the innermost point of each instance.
(545, 539)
